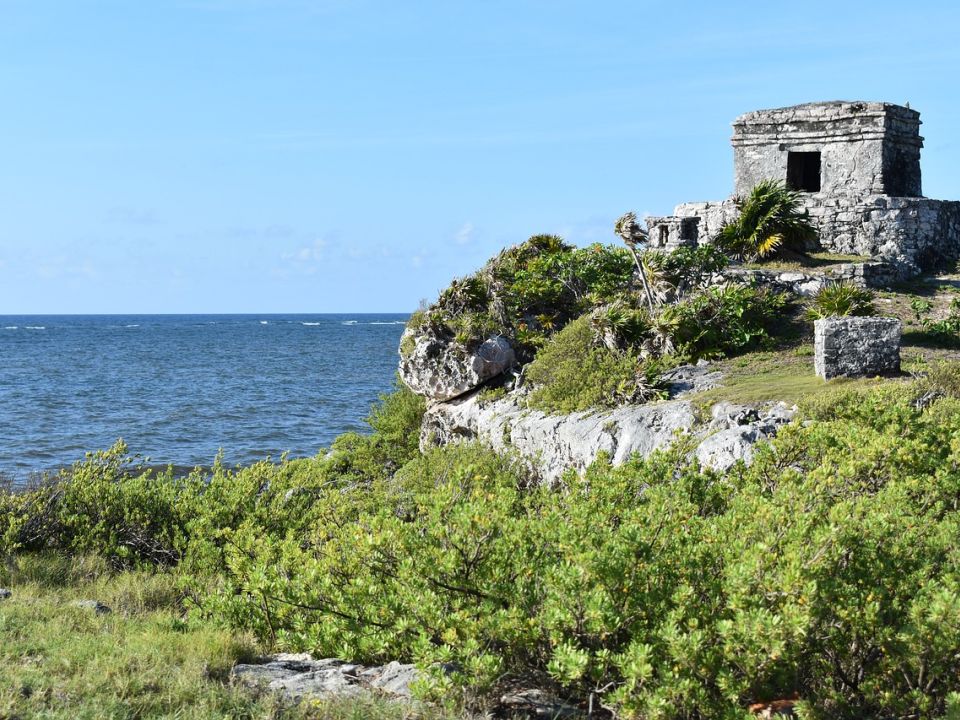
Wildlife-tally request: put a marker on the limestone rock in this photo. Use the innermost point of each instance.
(97, 607)
(440, 369)
(740, 427)
(557, 443)
(299, 676)
(536, 703)
(691, 379)
(5, 594)
(856, 346)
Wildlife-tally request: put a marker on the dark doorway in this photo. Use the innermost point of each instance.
(803, 171)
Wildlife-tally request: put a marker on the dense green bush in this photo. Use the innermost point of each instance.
(673, 593)
(674, 274)
(829, 569)
(528, 292)
(576, 372)
(719, 320)
(615, 355)
(946, 330)
(840, 299)
(108, 504)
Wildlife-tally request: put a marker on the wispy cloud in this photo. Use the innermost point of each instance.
(464, 236)
(125, 215)
(306, 258)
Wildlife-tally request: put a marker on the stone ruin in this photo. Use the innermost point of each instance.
(856, 347)
(857, 167)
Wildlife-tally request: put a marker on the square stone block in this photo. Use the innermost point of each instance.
(856, 347)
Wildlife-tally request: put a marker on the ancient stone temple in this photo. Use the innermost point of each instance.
(857, 166)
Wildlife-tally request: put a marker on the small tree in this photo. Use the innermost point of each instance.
(635, 237)
(770, 222)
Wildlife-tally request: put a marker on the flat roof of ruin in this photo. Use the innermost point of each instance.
(835, 108)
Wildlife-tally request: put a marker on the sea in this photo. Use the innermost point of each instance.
(178, 389)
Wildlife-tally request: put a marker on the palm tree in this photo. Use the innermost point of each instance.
(634, 237)
(770, 222)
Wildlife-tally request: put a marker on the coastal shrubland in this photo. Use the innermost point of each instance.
(827, 570)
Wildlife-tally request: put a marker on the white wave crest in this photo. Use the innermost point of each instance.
(310, 324)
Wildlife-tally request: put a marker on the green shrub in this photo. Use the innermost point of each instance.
(945, 331)
(106, 505)
(671, 592)
(528, 292)
(719, 320)
(574, 373)
(675, 274)
(840, 299)
(769, 222)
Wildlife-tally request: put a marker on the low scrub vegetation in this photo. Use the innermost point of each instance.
(828, 570)
(841, 299)
(617, 354)
(528, 292)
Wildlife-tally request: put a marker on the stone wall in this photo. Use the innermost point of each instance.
(865, 147)
(912, 234)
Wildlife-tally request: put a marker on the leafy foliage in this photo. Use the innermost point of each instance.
(769, 222)
(530, 291)
(574, 372)
(840, 299)
(674, 593)
(828, 569)
(719, 320)
(946, 330)
(674, 274)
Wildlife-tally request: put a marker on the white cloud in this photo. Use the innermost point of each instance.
(314, 252)
(464, 235)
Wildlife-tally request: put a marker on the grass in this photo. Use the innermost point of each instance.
(817, 260)
(143, 660)
(768, 376)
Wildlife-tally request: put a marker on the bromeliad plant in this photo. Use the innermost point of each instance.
(770, 222)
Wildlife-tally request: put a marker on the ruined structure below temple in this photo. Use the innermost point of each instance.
(857, 167)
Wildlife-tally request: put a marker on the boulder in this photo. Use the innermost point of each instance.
(299, 676)
(555, 443)
(5, 594)
(440, 368)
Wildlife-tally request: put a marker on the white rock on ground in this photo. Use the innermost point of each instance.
(555, 443)
(440, 369)
(300, 676)
(97, 607)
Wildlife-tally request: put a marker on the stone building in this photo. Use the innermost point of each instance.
(857, 167)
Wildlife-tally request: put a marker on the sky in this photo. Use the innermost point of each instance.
(191, 156)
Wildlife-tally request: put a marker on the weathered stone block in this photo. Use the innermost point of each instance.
(856, 346)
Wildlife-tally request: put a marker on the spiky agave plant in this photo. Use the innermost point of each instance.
(770, 221)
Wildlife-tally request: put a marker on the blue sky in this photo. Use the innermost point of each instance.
(354, 155)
